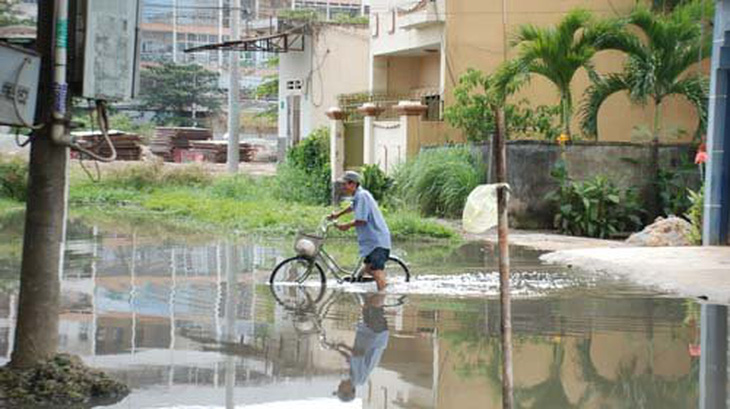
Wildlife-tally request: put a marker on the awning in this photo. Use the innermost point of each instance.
(282, 42)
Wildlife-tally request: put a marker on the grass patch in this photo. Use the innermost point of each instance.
(10, 205)
(205, 203)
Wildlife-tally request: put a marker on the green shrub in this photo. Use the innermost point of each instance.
(672, 186)
(14, 179)
(593, 208)
(305, 175)
(694, 214)
(439, 180)
(376, 182)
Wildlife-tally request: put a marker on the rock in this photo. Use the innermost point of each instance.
(670, 232)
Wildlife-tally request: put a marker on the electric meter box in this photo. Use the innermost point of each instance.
(19, 81)
(104, 48)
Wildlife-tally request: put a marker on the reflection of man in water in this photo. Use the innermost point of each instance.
(371, 339)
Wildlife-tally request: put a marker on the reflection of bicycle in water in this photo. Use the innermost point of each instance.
(308, 267)
(371, 335)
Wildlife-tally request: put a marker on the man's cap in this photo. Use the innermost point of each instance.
(350, 176)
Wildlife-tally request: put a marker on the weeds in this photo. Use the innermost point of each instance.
(13, 178)
(593, 208)
(439, 180)
(695, 213)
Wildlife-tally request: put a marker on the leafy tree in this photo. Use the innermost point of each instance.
(9, 15)
(557, 53)
(475, 98)
(175, 92)
(269, 88)
(657, 68)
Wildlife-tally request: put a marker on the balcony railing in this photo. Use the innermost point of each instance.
(420, 13)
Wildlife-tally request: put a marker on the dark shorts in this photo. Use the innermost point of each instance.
(377, 258)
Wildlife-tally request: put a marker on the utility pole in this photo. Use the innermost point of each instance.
(174, 31)
(233, 125)
(36, 337)
(500, 155)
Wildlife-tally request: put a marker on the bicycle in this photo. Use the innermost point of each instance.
(305, 269)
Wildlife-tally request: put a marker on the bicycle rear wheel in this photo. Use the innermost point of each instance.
(297, 282)
(396, 271)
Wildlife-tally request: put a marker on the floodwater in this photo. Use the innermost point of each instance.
(190, 323)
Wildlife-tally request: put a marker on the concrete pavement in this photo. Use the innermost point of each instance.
(702, 272)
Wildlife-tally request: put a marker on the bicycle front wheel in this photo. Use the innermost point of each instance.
(396, 271)
(297, 281)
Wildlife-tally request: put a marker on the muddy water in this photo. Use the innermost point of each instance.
(190, 323)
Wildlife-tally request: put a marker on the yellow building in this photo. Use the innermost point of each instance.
(419, 49)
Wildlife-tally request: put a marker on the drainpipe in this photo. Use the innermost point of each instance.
(60, 86)
(717, 178)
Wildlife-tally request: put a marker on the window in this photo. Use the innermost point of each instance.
(294, 85)
(433, 105)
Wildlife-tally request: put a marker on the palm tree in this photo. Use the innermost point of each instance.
(656, 68)
(557, 53)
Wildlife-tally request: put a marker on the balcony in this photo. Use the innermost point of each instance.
(421, 13)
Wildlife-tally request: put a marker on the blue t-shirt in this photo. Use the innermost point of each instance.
(374, 233)
(368, 349)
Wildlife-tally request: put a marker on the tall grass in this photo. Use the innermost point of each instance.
(439, 180)
(13, 178)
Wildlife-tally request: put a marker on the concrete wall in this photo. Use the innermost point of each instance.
(390, 144)
(530, 164)
(401, 39)
(409, 74)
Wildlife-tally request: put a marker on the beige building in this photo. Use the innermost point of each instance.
(331, 59)
(419, 49)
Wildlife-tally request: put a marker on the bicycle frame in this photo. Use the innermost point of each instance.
(329, 262)
(333, 267)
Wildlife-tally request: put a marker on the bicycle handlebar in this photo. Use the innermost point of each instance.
(325, 224)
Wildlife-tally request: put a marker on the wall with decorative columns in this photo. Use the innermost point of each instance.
(337, 149)
(385, 143)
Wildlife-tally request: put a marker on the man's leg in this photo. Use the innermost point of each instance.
(379, 276)
(377, 267)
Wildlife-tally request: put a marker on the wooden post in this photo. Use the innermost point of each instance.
(500, 155)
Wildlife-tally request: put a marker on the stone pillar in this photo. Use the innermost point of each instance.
(337, 149)
(410, 113)
(370, 111)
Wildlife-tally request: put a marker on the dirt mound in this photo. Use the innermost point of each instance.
(670, 232)
(63, 381)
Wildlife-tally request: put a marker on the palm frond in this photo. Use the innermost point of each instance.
(695, 89)
(595, 96)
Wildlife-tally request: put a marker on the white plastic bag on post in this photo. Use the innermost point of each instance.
(480, 211)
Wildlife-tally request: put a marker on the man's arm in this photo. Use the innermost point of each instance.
(336, 215)
(348, 226)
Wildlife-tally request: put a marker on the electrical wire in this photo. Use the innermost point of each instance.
(81, 155)
(103, 120)
(17, 139)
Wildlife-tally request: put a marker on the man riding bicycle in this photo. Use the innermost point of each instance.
(373, 235)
